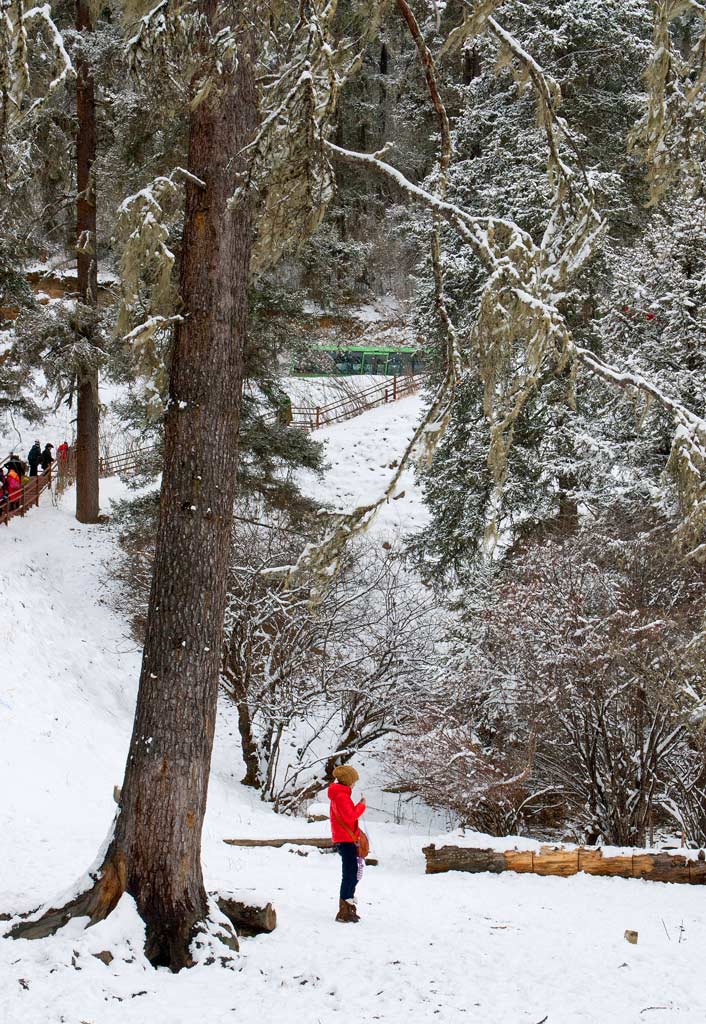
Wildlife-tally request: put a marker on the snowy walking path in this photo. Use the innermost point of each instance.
(482, 949)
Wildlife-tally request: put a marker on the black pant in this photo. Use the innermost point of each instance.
(349, 865)
(33, 469)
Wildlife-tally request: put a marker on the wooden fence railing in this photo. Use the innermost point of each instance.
(63, 470)
(312, 417)
(27, 497)
(61, 473)
(302, 416)
(127, 461)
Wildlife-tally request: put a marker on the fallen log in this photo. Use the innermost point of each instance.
(320, 844)
(592, 862)
(553, 861)
(248, 920)
(562, 862)
(458, 858)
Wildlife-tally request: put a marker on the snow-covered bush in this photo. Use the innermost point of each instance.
(316, 683)
(569, 699)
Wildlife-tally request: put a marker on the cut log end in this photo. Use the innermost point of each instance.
(248, 920)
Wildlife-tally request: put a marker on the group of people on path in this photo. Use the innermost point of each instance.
(39, 458)
(16, 472)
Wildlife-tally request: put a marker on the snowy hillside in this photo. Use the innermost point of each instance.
(505, 949)
(361, 455)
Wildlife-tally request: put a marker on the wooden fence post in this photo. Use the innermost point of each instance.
(318, 414)
(394, 387)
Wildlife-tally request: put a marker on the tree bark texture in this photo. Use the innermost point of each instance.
(87, 406)
(164, 793)
(155, 852)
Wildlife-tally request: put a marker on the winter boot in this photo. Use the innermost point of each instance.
(352, 910)
(346, 912)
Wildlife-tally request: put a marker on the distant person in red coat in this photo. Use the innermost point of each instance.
(345, 831)
(63, 451)
(14, 488)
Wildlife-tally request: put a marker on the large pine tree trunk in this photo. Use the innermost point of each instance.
(164, 794)
(87, 407)
(155, 853)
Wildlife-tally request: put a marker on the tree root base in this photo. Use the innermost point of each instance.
(95, 904)
(168, 943)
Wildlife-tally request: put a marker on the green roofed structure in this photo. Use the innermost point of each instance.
(344, 361)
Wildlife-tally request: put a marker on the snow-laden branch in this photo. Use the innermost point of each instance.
(148, 328)
(180, 39)
(15, 76)
(520, 332)
(687, 459)
(669, 137)
(473, 230)
(628, 379)
(62, 59)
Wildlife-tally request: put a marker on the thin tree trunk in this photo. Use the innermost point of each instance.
(87, 407)
(155, 853)
(238, 680)
(248, 747)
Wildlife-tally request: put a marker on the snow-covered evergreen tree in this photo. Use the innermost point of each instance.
(595, 52)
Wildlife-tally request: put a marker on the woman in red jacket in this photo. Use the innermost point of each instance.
(344, 832)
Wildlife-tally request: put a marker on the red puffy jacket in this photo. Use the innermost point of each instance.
(14, 484)
(344, 813)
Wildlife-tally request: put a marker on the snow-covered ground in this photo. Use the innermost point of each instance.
(361, 455)
(483, 949)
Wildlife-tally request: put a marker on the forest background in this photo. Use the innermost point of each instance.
(531, 205)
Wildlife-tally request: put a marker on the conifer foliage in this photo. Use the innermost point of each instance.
(562, 449)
